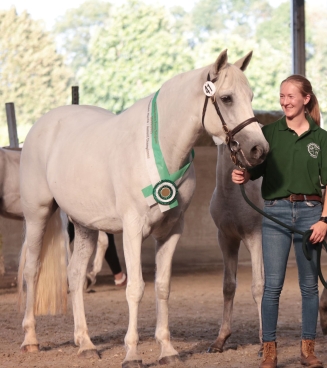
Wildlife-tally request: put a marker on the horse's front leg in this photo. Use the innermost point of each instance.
(84, 243)
(132, 242)
(229, 248)
(164, 253)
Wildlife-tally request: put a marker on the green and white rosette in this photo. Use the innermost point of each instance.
(165, 192)
(163, 189)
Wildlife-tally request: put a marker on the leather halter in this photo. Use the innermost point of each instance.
(232, 143)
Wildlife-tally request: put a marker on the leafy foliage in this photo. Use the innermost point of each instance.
(121, 54)
(75, 28)
(32, 73)
(229, 16)
(132, 56)
(316, 53)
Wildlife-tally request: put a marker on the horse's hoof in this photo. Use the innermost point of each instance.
(30, 348)
(169, 359)
(213, 349)
(260, 352)
(89, 354)
(133, 364)
(323, 326)
(87, 284)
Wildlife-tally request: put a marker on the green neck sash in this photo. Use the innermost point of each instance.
(165, 190)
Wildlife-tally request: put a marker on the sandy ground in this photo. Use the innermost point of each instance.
(195, 314)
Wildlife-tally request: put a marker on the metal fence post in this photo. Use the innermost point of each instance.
(75, 95)
(12, 126)
(298, 36)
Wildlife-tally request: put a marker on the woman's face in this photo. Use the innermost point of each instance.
(292, 101)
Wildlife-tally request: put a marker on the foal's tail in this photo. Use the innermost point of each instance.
(51, 285)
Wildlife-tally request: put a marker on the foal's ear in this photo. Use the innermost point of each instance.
(220, 62)
(244, 62)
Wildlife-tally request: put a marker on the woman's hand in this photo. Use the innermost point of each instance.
(319, 232)
(240, 176)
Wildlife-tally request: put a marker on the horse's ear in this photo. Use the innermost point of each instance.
(220, 62)
(244, 62)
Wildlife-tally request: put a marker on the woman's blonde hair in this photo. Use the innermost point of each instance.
(305, 88)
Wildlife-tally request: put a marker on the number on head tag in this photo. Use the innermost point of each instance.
(209, 89)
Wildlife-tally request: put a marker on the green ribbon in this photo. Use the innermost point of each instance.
(158, 156)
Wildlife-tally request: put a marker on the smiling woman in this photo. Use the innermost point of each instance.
(292, 175)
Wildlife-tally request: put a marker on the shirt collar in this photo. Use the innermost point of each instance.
(283, 126)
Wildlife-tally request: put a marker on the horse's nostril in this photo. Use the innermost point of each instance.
(257, 152)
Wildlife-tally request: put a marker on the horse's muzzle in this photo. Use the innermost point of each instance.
(258, 154)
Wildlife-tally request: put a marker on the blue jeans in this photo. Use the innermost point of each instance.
(276, 244)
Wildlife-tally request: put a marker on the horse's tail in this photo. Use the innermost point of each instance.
(51, 279)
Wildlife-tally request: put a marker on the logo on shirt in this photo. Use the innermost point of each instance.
(313, 149)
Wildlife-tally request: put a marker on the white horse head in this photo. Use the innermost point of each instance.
(233, 96)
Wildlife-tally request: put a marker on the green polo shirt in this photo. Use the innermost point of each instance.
(295, 164)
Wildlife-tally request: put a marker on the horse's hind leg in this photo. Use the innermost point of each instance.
(229, 247)
(164, 254)
(102, 245)
(28, 268)
(84, 243)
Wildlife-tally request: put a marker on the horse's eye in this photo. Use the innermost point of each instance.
(226, 99)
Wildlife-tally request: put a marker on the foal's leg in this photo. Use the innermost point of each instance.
(254, 245)
(165, 249)
(323, 311)
(132, 241)
(229, 247)
(84, 243)
(35, 228)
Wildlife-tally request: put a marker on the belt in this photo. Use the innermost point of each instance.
(303, 197)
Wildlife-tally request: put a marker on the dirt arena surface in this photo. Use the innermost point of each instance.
(195, 315)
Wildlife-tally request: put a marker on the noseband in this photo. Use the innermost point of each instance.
(233, 145)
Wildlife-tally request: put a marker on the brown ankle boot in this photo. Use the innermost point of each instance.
(308, 357)
(269, 359)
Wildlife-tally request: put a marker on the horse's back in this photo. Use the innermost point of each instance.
(83, 157)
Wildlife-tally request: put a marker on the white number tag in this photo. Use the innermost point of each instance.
(209, 89)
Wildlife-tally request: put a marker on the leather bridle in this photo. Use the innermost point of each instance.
(233, 145)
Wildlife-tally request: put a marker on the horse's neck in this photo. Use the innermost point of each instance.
(180, 103)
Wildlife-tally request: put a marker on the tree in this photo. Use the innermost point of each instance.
(132, 56)
(32, 73)
(75, 28)
(277, 29)
(229, 16)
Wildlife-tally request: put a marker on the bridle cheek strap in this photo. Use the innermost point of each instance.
(232, 144)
